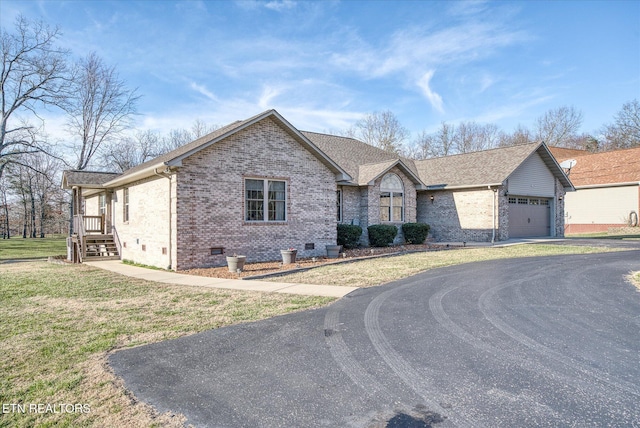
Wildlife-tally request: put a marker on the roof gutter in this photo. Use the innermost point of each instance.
(474, 186)
(596, 186)
(143, 173)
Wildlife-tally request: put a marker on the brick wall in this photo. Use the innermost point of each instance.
(210, 199)
(361, 205)
(145, 238)
(350, 204)
(460, 215)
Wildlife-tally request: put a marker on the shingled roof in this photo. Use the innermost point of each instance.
(87, 179)
(362, 161)
(563, 153)
(175, 157)
(615, 167)
(484, 168)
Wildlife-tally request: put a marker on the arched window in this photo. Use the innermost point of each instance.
(391, 198)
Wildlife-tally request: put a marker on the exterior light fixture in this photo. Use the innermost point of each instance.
(431, 198)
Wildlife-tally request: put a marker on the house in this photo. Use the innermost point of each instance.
(607, 190)
(260, 185)
(494, 195)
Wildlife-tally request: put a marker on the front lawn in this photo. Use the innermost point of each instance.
(372, 272)
(32, 248)
(57, 322)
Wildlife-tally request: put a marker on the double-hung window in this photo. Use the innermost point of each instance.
(102, 204)
(265, 200)
(391, 198)
(125, 204)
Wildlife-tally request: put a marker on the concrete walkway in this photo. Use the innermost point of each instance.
(168, 277)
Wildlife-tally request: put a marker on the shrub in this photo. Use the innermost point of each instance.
(382, 235)
(415, 233)
(349, 235)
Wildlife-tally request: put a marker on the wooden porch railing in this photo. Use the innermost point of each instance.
(94, 224)
(84, 225)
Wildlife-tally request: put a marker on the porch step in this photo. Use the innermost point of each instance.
(99, 258)
(101, 247)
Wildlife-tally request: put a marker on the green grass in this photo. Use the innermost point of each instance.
(57, 322)
(32, 248)
(635, 279)
(368, 273)
(603, 235)
(132, 263)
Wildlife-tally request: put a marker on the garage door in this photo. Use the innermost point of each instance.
(529, 217)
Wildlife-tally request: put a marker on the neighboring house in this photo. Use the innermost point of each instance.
(607, 190)
(260, 185)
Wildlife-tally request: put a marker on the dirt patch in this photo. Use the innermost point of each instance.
(264, 268)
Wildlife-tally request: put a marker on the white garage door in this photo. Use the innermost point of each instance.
(529, 217)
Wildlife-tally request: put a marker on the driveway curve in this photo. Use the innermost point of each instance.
(549, 341)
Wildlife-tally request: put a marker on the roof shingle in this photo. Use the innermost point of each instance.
(90, 179)
(619, 166)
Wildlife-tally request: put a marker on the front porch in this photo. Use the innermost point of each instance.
(89, 240)
(91, 237)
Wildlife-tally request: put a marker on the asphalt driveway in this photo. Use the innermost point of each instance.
(551, 341)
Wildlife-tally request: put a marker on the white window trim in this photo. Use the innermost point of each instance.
(391, 193)
(102, 204)
(126, 213)
(265, 200)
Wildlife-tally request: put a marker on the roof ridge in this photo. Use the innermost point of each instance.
(383, 161)
(479, 151)
(92, 172)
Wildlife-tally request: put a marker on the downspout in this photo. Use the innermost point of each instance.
(166, 174)
(493, 231)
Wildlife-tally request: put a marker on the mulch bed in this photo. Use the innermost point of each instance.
(275, 267)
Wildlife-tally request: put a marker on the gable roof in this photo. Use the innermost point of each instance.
(485, 168)
(87, 179)
(368, 173)
(364, 162)
(175, 157)
(615, 167)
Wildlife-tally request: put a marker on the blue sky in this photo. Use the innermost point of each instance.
(323, 65)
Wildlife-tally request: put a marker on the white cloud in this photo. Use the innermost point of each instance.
(280, 5)
(512, 110)
(201, 89)
(486, 82)
(434, 98)
(266, 98)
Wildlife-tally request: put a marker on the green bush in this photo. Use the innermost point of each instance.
(415, 233)
(349, 235)
(382, 235)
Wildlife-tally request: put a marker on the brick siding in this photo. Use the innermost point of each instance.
(210, 199)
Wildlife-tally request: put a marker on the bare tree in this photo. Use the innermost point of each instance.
(423, 147)
(445, 139)
(33, 75)
(520, 135)
(128, 152)
(624, 132)
(473, 137)
(558, 126)
(4, 209)
(100, 109)
(180, 137)
(201, 128)
(45, 189)
(380, 129)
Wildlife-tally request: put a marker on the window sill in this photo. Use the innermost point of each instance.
(264, 223)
